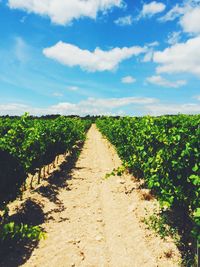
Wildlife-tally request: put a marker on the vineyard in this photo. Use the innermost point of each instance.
(27, 144)
(163, 152)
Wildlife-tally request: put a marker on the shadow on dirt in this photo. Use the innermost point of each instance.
(179, 220)
(30, 213)
(58, 179)
(14, 252)
(179, 223)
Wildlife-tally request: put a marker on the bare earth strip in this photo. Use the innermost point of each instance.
(98, 224)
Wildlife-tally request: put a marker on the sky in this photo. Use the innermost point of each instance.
(99, 57)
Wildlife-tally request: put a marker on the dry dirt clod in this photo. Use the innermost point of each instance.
(146, 194)
(82, 255)
(132, 207)
(169, 253)
(99, 238)
(99, 211)
(121, 181)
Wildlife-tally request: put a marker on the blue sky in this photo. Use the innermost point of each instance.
(99, 57)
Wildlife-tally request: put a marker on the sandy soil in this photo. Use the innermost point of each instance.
(95, 222)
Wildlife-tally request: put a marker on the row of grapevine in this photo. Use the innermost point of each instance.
(27, 144)
(165, 151)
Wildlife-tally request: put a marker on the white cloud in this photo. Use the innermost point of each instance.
(128, 79)
(197, 97)
(73, 88)
(56, 94)
(150, 51)
(189, 16)
(181, 57)
(64, 11)
(162, 109)
(13, 109)
(158, 80)
(23, 19)
(152, 9)
(148, 56)
(174, 13)
(117, 102)
(98, 60)
(124, 21)
(91, 106)
(21, 50)
(153, 44)
(190, 21)
(173, 38)
(112, 106)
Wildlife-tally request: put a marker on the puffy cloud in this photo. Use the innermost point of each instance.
(91, 106)
(188, 13)
(128, 79)
(98, 60)
(181, 57)
(64, 11)
(190, 21)
(158, 80)
(152, 8)
(124, 21)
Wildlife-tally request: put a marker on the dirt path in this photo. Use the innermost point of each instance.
(98, 222)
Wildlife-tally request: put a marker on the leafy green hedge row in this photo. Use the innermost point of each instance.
(28, 144)
(165, 151)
